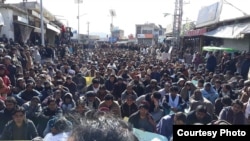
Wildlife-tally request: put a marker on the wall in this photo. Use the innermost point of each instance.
(147, 27)
(239, 44)
(8, 28)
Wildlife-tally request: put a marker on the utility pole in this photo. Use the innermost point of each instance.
(112, 14)
(78, 18)
(178, 13)
(78, 2)
(88, 33)
(42, 26)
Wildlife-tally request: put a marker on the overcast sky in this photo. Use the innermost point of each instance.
(128, 12)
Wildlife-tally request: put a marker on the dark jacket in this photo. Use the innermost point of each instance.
(211, 63)
(165, 126)
(5, 116)
(134, 119)
(228, 115)
(127, 110)
(118, 89)
(26, 95)
(72, 87)
(192, 118)
(109, 85)
(29, 127)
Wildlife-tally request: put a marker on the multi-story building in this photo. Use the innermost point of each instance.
(148, 33)
(118, 33)
(22, 23)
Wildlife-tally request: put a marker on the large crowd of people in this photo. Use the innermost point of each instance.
(47, 91)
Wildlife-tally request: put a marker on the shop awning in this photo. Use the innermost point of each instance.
(196, 32)
(213, 48)
(53, 28)
(247, 30)
(36, 29)
(228, 31)
(24, 24)
(1, 20)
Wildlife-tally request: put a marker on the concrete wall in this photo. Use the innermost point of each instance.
(8, 28)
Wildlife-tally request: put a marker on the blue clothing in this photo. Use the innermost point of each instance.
(156, 76)
(165, 126)
(211, 63)
(51, 123)
(26, 95)
(245, 68)
(211, 95)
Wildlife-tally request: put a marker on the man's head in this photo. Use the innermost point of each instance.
(180, 118)
(208, 86)
(130, 99)
(59, 126)
(52, 105)
(90, 95)
(102, 127)
(129, 88)
(7, 59)
(95, 83)
(167, 86)
(201, 111)
(80, 106)
(109, 99)
(156, 96)
(35, 100)
(237, 106)
(19, 115)
(69, 79)
(143, 109)
(174, 90)
(10, 103)
(197, 95)
(29, 86)
(153, 83)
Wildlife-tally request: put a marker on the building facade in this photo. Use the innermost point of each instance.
(148, 33)
(118, 34)
(215, 27)
(21, 23)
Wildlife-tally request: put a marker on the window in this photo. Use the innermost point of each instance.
(138, 32)
(147, 32)
(160, 32)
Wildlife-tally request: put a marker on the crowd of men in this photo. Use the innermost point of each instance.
(45, 91)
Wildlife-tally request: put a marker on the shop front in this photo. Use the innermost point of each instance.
(193, 40)
(22, 29)
(51, 32)
(232, 35)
